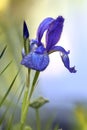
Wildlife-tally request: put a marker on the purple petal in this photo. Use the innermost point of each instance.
(35, 48)
(66, 62)
(54, 32)
(40, 50)
(36, 61)
(33, 45)
(42, 27)
(58, 48)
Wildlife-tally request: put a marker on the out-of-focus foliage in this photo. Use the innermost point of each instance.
(81, 117)
(1, 54)
(11, 87)
(12, 15)
(4, 4)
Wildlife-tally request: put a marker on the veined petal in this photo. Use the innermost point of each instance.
(40, 50)
(33, 44)
(66, 62)
(36, 61)
(42, 27)
(25, 31)
(35, 48)
(58, 48)
(54, 32)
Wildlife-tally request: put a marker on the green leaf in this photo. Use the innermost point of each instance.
(56, 127)
(25, 106)
(3, 51)
(35, 78)
(49, 123)
(9, 125)
(21, 93)
(4, 114)
(24, 100)
(39, 102)
(16, 127)
(34, 82)
(9, 89)
(5, 67)
(7, 108)
(10, 122)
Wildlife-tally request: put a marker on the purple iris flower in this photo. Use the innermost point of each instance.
(38, 57)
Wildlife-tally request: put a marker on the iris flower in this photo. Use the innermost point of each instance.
(38, 57)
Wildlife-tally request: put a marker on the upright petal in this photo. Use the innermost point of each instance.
(66, 62)
(25, 31)
(36, 61)
(42, 27)
(54, 32)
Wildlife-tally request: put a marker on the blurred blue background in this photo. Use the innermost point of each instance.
(63, 89)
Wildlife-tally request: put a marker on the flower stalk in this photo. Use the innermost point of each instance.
(38, 123)
(26, 100)
(28, 93)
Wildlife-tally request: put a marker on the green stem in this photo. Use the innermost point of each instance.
(27, 96)
(26, 99)
(28, 93)
(25, 108)
(21, 126)
(28, 79)
(38, 120)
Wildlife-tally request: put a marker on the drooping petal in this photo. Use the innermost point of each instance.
(66, 62)
(25, 31)
(58, 48)
(42, 27)
(54, 32)
(36, 61)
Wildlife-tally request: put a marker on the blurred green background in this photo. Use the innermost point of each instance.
(67, 92)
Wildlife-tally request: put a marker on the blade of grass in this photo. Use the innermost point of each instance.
(35, 78)
(57, 127)
(3, 51)
(5, 67)
(8, 106)
(21, 92)
(15, 107)
(9, 89)
(48, 124)
(9, 124)
(5, 113)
